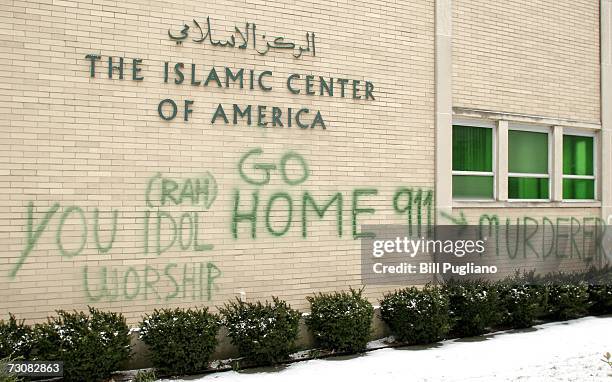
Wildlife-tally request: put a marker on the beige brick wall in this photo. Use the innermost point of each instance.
(538, 58)
(71, 143)
(528, 57)
(94, 143)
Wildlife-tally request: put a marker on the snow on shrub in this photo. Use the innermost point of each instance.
(340, 321)
(568, 295)
(573, 295)
(263, 333)
(600, 297)
(180, 341)
(91, 346)
(567, 300)
(416, 316)
(600, 290)
(15, 338)
(521, 304)
(474, 306)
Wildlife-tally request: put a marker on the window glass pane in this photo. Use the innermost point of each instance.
(472, 187)
(527, 152)
(577, 155)
(472, 149)
(527, 188)
(578, 189)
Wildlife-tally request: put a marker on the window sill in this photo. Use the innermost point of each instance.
(520, 204)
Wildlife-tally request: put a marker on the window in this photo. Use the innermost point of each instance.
(539, 162)
(578, 167)
(528, 167)
(473, 176)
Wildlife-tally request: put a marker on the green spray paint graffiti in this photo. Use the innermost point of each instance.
(195, 282)
(184, 229)
(404, 202)
(174, 219)
(282, 203)
(162, 231)
(34, 234)
(184, 232)
(162, 191)
(276, 211)
(543, 237)
(309, 201)
(265, 169)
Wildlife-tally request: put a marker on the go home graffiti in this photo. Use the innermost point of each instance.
(164, 229)
(276, 210)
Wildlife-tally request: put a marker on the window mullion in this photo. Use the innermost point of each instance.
(526, 175)
(501, 161)
(557, 164)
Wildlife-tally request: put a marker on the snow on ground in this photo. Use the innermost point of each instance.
(562, 351)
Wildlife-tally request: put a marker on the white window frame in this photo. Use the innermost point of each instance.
(590, 134)
(532, 129)
(488, 124)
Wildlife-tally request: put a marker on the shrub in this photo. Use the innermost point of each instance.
(181, 341)
(566, 292)
(340, 321)
(5, 376)
(263, 333)
(474, 306)
(567, 300)
(91, 347)
(416, 316)
(600, 298)
(600, 290)
(521, 303)
(15, 338)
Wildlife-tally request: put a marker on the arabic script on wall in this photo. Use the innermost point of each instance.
(242, 38)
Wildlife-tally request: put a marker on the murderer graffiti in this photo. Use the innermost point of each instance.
(554, 238)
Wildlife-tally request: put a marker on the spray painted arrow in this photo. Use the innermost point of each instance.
(461, 220)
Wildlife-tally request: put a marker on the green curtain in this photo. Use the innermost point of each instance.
(472, 149)
(528, 188)
(578, 189)
(527, 154)
(577, 155)
(578, 160)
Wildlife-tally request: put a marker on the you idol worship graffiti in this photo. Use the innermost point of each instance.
(169, 241)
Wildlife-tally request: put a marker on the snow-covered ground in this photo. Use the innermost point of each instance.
(564, 351)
